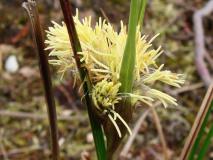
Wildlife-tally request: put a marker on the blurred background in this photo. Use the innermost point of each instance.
(24, 131)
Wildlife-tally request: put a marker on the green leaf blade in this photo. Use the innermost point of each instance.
(128, 61)
(143, 4)
(207, 142)
(199, 136)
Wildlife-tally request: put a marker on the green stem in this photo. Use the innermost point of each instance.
(87, 85)
(200, 135)
(206, 144)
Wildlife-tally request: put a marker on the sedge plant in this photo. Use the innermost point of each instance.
(117, 69)
(114, 76)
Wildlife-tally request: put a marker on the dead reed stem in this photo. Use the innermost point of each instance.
(31, 8)
(160, 132)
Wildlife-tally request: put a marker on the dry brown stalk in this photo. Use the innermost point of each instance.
(160, 132)
(28, 149)
(127, 146)
(135, 131)
(187, 88)
(31, 8)
(33, 116)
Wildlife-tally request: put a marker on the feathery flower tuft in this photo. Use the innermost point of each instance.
(102, 52)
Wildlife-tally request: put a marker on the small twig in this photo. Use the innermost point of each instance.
(197, 123)
(23, 150)
(25, 115)
(127, 146)
(104, 15)
(187, 88)
(156, 155)
(21, 34)
(135, 131)
(2, 148)
(31, 8)
(200, 49)
(160, 133)
(4, 153)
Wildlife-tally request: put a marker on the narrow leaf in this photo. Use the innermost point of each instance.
(76, 46)
(198, 125)
(126, 78)
(207, 142)
(141, 12)
(200, 135)
(128, 61)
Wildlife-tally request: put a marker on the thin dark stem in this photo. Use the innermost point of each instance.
(74, 40)
(32, 11)
(87, 86)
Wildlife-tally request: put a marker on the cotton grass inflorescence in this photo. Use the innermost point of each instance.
(102, 53)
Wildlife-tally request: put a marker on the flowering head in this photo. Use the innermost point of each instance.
(102, 53)
(105, 95)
